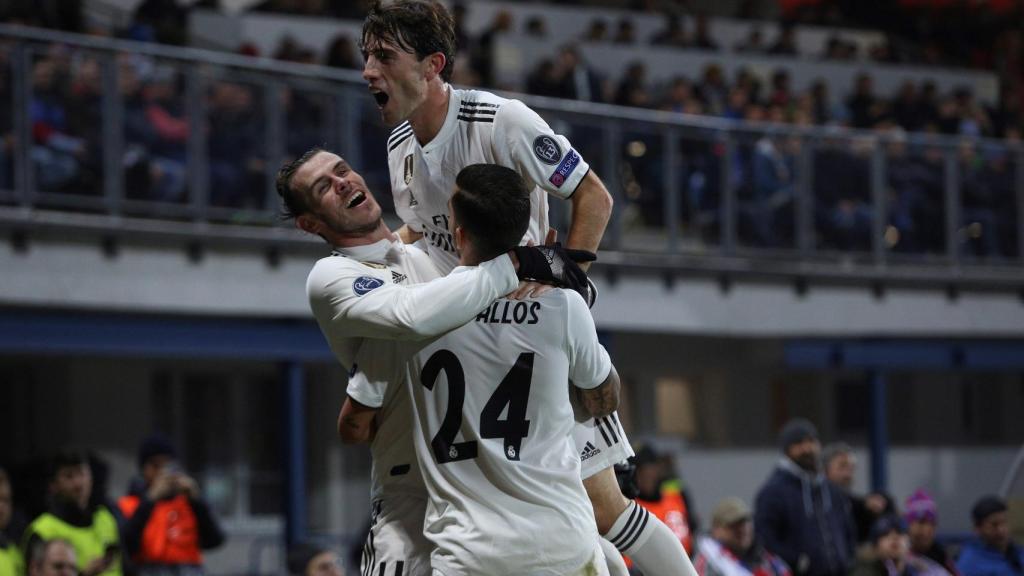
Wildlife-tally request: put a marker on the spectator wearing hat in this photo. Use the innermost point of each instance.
(840, 466)
(890, 553)
(311, 560)
(799, 515)
(10, 557)
(922, 518)
(731, 550)
(167, 523)
(91, 528)
(992, 553)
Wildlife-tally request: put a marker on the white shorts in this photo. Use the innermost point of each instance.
(396, 545)
(601, 443)
(596, 566)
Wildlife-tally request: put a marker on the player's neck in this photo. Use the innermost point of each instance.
(428, 120)
(381, 232)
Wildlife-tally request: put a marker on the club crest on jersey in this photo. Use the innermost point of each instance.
(407, 171)
(569, 163)
(364, 284)
(547, 149)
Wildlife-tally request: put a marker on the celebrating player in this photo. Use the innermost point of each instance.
(438, 130)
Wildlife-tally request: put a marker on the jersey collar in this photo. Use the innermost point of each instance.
(384, 251)
(450, 120)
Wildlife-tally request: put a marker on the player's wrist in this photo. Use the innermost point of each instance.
(515, 259)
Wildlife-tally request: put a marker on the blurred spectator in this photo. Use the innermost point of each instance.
(312, 560)
(235, 146)
(914, 179)
(56, 154)
(341, 53)
(799, 514)
(843, 200)
(632, 90)
(702, 34)
(753, 44)
(482, 58)
(167, 523)
(838, 49)
(462, 39)
(11, 561)
(544, 80)
(91, 529)
(597, 32)
(992, 553)
(774, 188)
(626, 33)
(713, 89)
(536, 27)
(889, 555)
(163, 21)
(981, 190)
(866, 109)
(780, 94)
(668, 503)
(579, 81)
(785, 43)
(731, 550)
(840, 467)
(907, 110)
(922, 517)
(54, 557)
(674, 34)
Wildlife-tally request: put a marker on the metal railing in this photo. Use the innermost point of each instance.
(160, 140)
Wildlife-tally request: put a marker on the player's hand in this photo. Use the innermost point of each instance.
(529, 290)
(556, 265)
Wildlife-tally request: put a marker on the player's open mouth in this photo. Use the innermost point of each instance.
(381, 98)
(356, 199)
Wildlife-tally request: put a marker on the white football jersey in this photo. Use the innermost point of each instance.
(480, 128)
(494, 437)
(362, 294)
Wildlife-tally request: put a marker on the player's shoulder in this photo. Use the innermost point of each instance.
(479, 107)
(328, 270)
(400, 136)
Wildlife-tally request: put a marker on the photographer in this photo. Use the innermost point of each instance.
(167, 523)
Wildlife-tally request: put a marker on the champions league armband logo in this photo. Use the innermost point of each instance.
(364, 284)
(569, 163)
(547, 150)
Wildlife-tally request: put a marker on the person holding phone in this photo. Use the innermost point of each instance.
(167, 523)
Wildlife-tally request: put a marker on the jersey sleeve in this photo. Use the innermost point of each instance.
(548, 159)
(589, 363)
(348, 301)
(368, 392)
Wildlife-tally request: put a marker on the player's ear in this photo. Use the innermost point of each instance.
(435, 64)
(459, 236)
(308, 223)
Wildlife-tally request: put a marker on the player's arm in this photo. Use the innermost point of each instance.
(591, 210)
(604, 399)
(356, 422)
(591, 371)
(408, 235)
(349, 302)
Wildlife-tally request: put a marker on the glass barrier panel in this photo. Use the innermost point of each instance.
(765, 173)
(237, 128)
(841, 186)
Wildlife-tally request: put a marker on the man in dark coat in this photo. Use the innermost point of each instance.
(801, 516)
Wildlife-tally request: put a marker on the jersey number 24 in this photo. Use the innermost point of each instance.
(513, 391)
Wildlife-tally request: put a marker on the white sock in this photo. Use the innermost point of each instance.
(612, 557)
(649, 543)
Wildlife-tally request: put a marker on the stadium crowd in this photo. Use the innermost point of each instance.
(806, 520)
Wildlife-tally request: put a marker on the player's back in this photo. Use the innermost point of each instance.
(494, 441)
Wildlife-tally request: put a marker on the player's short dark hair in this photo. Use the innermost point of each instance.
(491, 204)
(295, 201)
(420, 27)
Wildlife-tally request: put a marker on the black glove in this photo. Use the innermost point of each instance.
(556, 265)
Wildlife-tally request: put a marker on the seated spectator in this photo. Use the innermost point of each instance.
(10, 557)
(889, 553)
(799, 514)
(579, 81)
(167, 523)
(90, 529)
(922, 518)
(840, 467)
(731, 550)
(341, 53)
(785, 44)
(702, 34)
(674, 33)
(632, 90)
(312, 560)
(53, 558)
(626, 33)
(536, 27)
(993, 553)
(866, 109)
(667, 503)
(753, 44)
(597, 32)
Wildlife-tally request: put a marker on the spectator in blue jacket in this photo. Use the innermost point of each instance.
(993, 553)
(800, 515)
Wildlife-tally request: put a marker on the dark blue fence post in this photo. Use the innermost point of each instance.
(879, 433)
(295, 452)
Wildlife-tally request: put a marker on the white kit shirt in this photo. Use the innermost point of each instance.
(494, 437)
(479, 128)
(359, 295)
